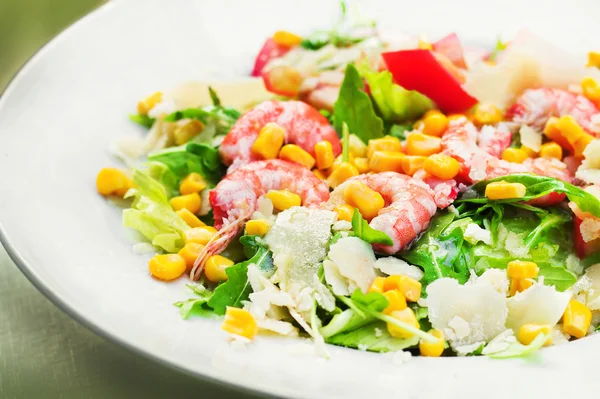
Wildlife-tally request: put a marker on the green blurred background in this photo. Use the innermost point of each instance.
(26, 25)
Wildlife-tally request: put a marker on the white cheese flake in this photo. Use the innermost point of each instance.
(530, 138)
(354, 259)
(394, 266)
(539, 304)
(473, 234)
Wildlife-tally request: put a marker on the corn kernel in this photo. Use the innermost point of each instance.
(362, 165)
(167, 267)
(529, 332)
(434, 123)
(591, 90)
(412, 163)
(520, 269)
(515, 155)
(200, 235)
(577, 319)
(593, 59)
(441, 166)
(396, 301)
(287, 39)
(191, 202)
(111, 181)
(342, 173)
(519, 285)
(357, 147)
(338, 161)
(487, 114)
(530, 152)
(570, 129)
(190, 253)
(284, 79)
(407, 316)
(258, 227)
(269, 141)
(581, 144)
(433, 349)
(148, 103)
(283, 199)
(551, 150)
(294, 153)
(503, 190)
(320, 174)
(344, 212)
(409, 287)
(324, 154)
(191, 219)
(215, 267)
(192, 183)
(369, 202)
(239, 322)
(386, 161)
(551, 131)
(377, 285)
(187, 131)
(422, 144)
(387, 143)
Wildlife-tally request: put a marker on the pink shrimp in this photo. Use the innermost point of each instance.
(494, 140)
(535, 106)
(410, 205)
(303, 125)
(235, 198)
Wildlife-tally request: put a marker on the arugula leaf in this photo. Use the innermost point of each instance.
(252, 244)
(399, 131)
(354, 107)
(142, 120)
(591, 260)
(366, 233)
(373, 337)
(345, 321)
(523, 351)
(372, 300)
(196, 306)
(345, 143)
(214, 97)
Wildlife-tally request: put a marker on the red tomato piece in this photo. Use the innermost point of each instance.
(450, 47)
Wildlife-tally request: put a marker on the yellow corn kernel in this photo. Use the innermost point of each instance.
(200, 235)
(520, 269)
(324, 154)
(377, 285)
(148, 103)
(187, 131)
(516, 155)
(295, 153)
(551, 150)
(338, 161)
(387, 143)
(519, 285)
(190, 253)
(269, 141)
(530, 153)
(344, 212)
(369, 202)
(591, 90)
(409, 287)
(396, 301)
(577, 319)
(362, 165)
(412, 163)
(570, 129)
(112, 181)
(419, 125)
(487, 114)
(424, 44)
(215, 267)
(529, 332)
(283, 199)
(191, 219)
(319, 174)
(581, 144)
(434, 123)
(357, 147)
(239, 322)
(503, 190)
(386, 161)
(422, 144)
(442, 166)
(167, 267)
(593, 59)
(551, 131)
(433, 349)
(191, 202)
(407, 316)
(342, 173)
(258, 227)
(192, 183)
(287, 39)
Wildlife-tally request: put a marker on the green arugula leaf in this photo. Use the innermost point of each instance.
(399, 131)
(373, 337)
(345, 143)
(142, 120)
(345, 321)
(354, 107)
(366, 233)
(214, 97)
(372, 300)
(196, 306)
(518, 350)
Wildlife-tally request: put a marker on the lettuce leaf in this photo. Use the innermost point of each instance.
(366, 233)
(142, 120)
(518, 350)
(197, 306)
(218, 119)
(373, 337)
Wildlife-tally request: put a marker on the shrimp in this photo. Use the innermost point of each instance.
(235, 198)
(410, 205)
(535, 106)
(303, 125)
(494, 140)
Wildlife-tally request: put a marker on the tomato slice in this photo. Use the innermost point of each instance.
(450, 47)
(269, 51)
(419, 70)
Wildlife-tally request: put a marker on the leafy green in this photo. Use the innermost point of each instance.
(214, 97)
(162, 174)
(142, 120)
(196, 306)
(345, 321)
(399, 131)
(252, 244)
(373, 337)
(345, 143)
(591, 260)
(500, 47)
(366, 233)
(395, 103)
(152, 215)
(523, 351)
(354, 107)
(372, 300)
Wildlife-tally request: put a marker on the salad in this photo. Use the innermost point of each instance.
(379, 194)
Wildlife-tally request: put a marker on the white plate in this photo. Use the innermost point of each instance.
(60, 113)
